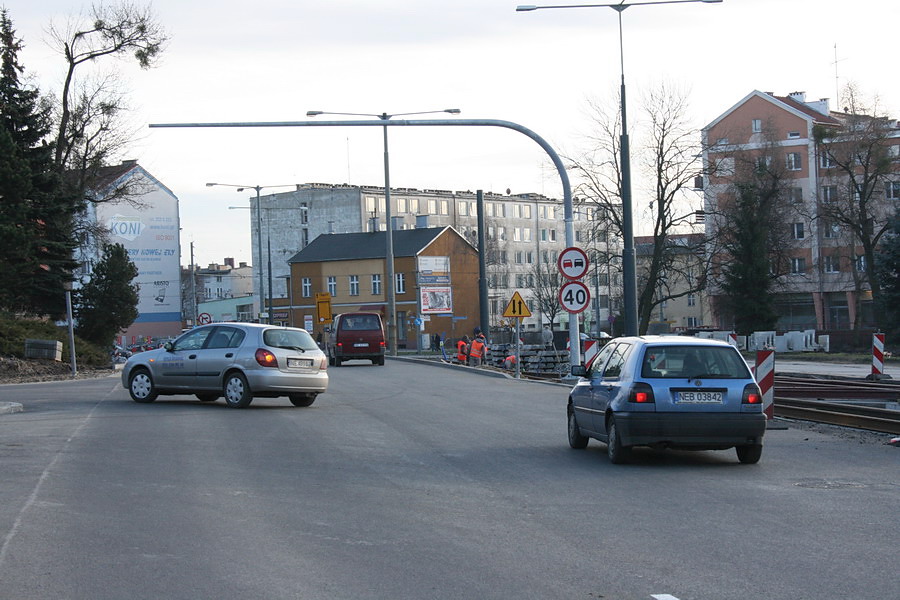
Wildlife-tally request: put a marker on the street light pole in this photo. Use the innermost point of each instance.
(241, 188)
(390, 284)
(629, 270)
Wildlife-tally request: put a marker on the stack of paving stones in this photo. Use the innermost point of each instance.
(534, 359)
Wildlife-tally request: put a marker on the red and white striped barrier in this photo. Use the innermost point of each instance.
(877, 354)
(765, 377)
(732, 339)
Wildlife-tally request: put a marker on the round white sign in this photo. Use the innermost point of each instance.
(574, 296)
(572, 263)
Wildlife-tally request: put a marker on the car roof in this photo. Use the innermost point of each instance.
(668, 340)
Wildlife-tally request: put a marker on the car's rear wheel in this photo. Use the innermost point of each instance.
(337, 361)
(302, 399)
(237, 391)
(207, 396)
(750, 454)
(379, 362)
(576, 439)
(141, 387)
(617, 453)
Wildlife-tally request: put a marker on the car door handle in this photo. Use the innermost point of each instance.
(229, 355)
(192, 356)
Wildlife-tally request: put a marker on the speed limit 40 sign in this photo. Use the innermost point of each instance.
(574, 296)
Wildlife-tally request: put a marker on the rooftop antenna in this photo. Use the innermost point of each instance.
(837, 87)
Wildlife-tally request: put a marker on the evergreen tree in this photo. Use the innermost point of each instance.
(107, 304)
(36, 220)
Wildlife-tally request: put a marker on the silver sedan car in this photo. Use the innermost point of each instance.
(237, 361)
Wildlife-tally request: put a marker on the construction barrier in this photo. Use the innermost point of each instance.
(765, 377)
(877, 355)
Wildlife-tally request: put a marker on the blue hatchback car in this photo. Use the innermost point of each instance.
(667, 391)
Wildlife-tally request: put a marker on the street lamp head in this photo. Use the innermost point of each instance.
(526, 7)
(452, 111)
(313, 113)
(210, 184)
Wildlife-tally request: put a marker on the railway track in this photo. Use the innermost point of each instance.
(859, 404)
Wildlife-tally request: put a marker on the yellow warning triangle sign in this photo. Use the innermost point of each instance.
(516, 308)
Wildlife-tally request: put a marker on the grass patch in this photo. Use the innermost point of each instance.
(14, 332)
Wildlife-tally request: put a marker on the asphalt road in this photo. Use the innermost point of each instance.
(413, 481)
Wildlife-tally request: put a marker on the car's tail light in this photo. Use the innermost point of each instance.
(340, 345)
(381, 343)
(323, 364)
(752, 395)
(641, 393)
(266, 358)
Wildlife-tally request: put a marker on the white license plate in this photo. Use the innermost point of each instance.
(360, 345)
(699, 397)
(299, 362)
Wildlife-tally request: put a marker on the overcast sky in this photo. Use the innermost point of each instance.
(273, 60)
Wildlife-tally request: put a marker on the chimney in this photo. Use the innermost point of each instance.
(798, 96)
(229, 262)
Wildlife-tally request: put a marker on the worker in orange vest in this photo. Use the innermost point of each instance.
(509, 363)
(462, 350)
(478, 350)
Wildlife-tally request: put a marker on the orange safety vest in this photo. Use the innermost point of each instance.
(478, 348)
(461, 348)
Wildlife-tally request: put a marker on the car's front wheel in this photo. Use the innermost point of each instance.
(750, 454)
(141, 387)
(302, 399)
(576, 439)
(237, 391)
(617, 453)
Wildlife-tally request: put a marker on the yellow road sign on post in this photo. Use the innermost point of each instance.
(516, 308)
(323, 307)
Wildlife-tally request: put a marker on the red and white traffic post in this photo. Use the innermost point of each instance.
(765, 377)
(877, 355)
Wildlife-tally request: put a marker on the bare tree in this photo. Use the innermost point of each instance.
(857, 158)
(546, 282)
(86, 113)
(670, 159)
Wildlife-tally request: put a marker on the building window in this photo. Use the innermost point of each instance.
(756, 125)
(502, 257)
(526, 234)
(376, 284)
(520, 257)
(793, 135)
(354, 285)
(892, 190)
(529, 258)
(794, 162)
(516, 211)
(860, 263)
(306, 287)
(517, 234)
(432, 207)
(489, 209)
(798, 231)
(526, 211)
(402, 205)
(400, 283)
(692, 300)
(371, 206)
(693, 322)
(304, 213)
(798, 266)
(829, 194)
(830, 230)
(445, 207)
(463, 208)
(501, 233)
(332, 285)
(826, 161)
(304, 237)
(795, 195)
(831, 264)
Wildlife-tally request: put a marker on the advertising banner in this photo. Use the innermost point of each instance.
(436, 300)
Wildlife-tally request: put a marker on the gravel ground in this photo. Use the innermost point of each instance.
(17, 370)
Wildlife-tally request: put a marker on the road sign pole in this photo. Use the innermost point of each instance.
(518, 349)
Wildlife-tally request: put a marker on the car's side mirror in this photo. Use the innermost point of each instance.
(169, 346)
(579, 370)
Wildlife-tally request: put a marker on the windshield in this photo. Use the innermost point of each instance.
(708, 362)
(295, 339)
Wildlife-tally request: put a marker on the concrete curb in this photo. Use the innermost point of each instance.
(10, 407)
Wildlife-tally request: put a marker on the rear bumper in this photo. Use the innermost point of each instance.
(275, 382)
(691, 430)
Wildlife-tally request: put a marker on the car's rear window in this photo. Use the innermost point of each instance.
(707, 362)
(289, 338)
(361, 323)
